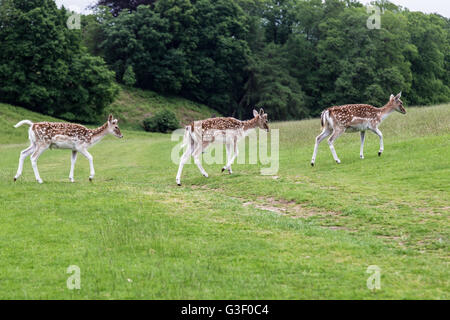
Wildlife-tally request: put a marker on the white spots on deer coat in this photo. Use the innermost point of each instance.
(354, 115)
(200, 134)
(58, 135)
(353, 118)
(66, 135)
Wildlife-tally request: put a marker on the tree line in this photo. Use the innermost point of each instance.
(292, 57)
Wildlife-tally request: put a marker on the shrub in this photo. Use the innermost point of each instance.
(129, 77)
(163, 121)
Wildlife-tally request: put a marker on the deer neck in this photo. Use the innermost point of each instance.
(250, 124)
(99, 133)
(386, 111)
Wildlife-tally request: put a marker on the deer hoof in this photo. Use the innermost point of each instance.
(90, 179)
(40, 181)
(362, 157)
(379, 153)
(312, 164)
(15, 179)
(179, 184)
(223, 169)
(338, 161)
(205, 175)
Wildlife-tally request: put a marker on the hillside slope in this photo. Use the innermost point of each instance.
(10, 115)
(133, 105)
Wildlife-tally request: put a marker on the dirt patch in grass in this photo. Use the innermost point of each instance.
(279, 206)
(288, 208)
(339, 228)
(200, 187)
(429, 211)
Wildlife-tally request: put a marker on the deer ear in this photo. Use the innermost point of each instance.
(392, 97)
(261, 111)
(110, 118)
(398, 96)
(255, 113)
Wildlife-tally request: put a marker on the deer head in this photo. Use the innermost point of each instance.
(113, 127)
(397, 104)
(261, 119)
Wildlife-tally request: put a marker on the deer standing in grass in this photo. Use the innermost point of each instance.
(354, 118)
(59, 135)
(200, 134)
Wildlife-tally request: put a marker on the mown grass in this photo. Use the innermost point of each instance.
(306, 233)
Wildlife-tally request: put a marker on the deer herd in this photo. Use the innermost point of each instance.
(200, 134)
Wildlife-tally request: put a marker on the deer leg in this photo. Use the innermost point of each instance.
(23, 155)
(361, 150)
(331, 140)
(325, 133)
(183, 160)
(34, 157)
(72, 164)
(228, 150)
(196, 154)
(235, 154)
(88, 156)
(379, 134)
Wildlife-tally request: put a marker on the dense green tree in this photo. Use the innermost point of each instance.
(43, 65)
(291, 57)
(142, 40)
(92, 34)
(271, 86)
(429, 63)
(278, 20)
(196, 49)
(221, 56)
(366, 69)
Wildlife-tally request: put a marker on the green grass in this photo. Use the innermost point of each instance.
(134, 105)
(307, 233)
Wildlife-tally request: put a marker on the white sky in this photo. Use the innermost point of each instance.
(76, 5)
(428, 6)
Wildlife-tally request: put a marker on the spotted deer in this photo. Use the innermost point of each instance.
(355, 118)
(201, 134)
(59, 135)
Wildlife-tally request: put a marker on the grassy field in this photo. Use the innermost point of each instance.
(305, 233)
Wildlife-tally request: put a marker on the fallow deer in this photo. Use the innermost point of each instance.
(200, 134)
(353, 118)
(59, 135)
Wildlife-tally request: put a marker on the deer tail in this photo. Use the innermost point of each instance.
(28, 122)
(187, 137)
(325, 119)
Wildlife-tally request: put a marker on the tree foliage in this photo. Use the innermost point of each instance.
(116, 6)
(292, 57)
(44, 67)
(195, 49)
(271, 85)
